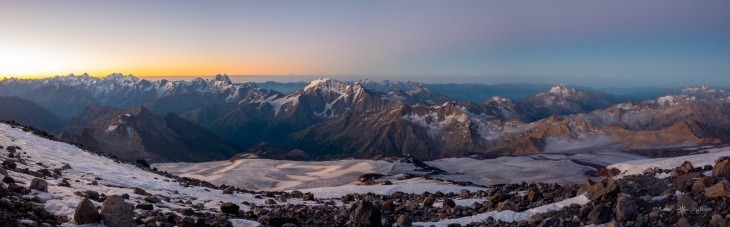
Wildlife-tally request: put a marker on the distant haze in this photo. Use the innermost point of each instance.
(592, 43)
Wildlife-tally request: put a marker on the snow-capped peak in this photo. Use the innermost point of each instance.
(561, 90)
(119, 78)
(223, 78)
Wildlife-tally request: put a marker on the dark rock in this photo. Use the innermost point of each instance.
(3, 171)
(139, 191)
(600, 214)
(366, 214)
(280, 221)
(626, 208)
(721, 189)
(86, 213)
(186, 222)
(683, 222)
(186, 211)
(152, 199)
(9, 164)
(117, 213)
(8, 180)
(270, 202)
(428, 202)
(39, 184)
(144, 206)
(449, 203)
(229, 190)
(686, 201)
(45, 172)
(229, 208)
(64, 183)
(717, 221)
(607, 187)
(684, 182)
(404, 220)
(66, 166)
(3, 191)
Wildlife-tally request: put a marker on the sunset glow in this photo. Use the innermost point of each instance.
(543, 40)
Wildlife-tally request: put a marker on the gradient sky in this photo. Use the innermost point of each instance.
(606, 43)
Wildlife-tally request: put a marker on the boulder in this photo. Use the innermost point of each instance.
(626, 208)
(270, 202)
(600, 214)
(701, 184)
(86, 213)
(366, 214)
(684, 182)
(721, 189)
(39, 184)
(229, 208)
(721, 168)
(607, 187)
(686, 201)
(117, 213)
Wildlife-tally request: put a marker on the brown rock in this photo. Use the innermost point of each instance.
(686, 201)
(721, 189)
(684, 182)
(717, 221)
(721, 168)
(39, 184)
(506, 205)
(687, 166)
(701, 184)
(449, 203)
(86, 213)
(366, 214)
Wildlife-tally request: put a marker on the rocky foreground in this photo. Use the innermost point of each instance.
(40, 187)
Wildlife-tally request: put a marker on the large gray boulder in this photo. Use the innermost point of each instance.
(117, 213)
(39, 184)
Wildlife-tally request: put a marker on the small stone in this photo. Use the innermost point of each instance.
(428, 201)
(139, 191)
(683, 222)
(152, 199)
(144, 206)
(229, 190)
(687, 166)
(449, 203)
(270, 202)
(229, 208)
(507, 205)
(464, 193)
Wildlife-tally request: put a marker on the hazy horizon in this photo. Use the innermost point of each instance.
(588, 43)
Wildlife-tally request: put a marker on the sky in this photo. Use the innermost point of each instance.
(594, 43)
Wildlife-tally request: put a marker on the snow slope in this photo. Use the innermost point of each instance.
(638, 166)
(508, 215)
(112, 177)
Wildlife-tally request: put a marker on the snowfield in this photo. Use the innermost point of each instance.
(638, 166)
(113, 178)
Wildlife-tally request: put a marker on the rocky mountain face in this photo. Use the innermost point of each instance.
(334, 119)
(28, 113)
(138, 133)
(562, 100)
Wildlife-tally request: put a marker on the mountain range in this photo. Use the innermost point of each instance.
(213, 119)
